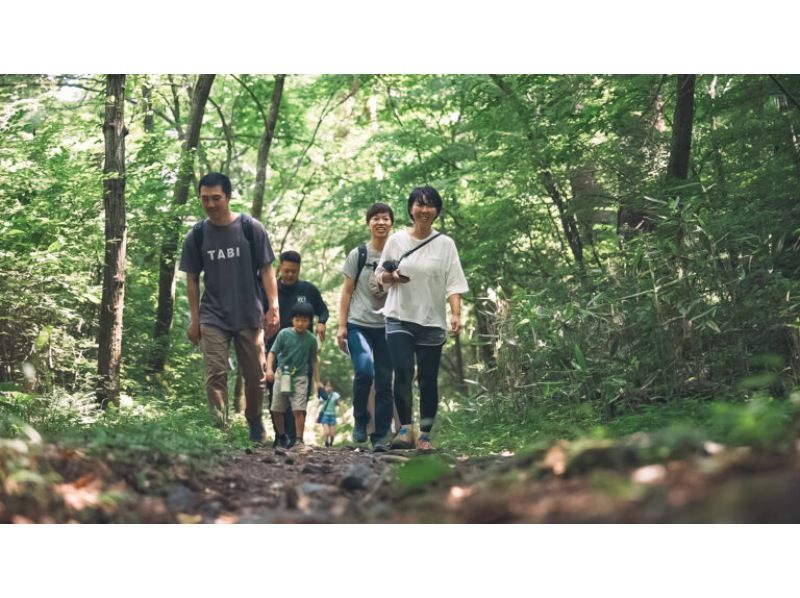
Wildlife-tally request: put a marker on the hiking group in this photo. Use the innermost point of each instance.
(392, 313)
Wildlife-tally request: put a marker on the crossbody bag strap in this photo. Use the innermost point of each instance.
(410, 251)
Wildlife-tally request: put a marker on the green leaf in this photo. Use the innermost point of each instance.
(580, 360)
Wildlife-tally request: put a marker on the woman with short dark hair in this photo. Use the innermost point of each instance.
(362, 331)
(423, 272)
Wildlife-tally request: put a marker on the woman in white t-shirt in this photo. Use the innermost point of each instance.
(423, 274)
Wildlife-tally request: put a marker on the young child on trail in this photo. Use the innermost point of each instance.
(296, 350)
(327, 415)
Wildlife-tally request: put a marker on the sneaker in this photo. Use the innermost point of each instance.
(301, 446)
(290, 442)
(218, 420)
(281, 441)
(404, 438)
(359, 434)
(424, 444)
(380, 445)
(257, 432)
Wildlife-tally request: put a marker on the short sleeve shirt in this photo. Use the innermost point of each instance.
(295, 350)
(331, 408)
(231, 299)
(435, 272)
(364, 306)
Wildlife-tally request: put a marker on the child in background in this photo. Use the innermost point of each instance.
(296, 350)
(327, 413)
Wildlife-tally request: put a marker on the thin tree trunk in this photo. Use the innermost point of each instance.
(296, 212)
(225, 167)
(568, 223)
(169, 246)
(264, 147)
(147, 97)
(258, 196)
(719, 163)
(678, 167)
(113, 301)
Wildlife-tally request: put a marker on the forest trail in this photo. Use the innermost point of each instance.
(578, 482)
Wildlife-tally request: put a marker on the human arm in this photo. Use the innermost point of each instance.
(272, 317)
(193, 291)
(455, 313)
(270, 364)
(391, 253)
(314, 359)
(321, 310)
(317, 383)
(456, 285)
(344, 310)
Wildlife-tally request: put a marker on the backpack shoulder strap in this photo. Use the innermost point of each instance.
(197, 235)
(362, 261)
(247, 229)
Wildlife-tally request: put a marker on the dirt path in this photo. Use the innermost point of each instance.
(623, 481)
(279, 486)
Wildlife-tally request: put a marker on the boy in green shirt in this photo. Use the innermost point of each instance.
(295, 348)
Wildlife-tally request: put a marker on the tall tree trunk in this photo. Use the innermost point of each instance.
(264, 147)
(169, 245)
(110, 337)
(258, 196)
(678, 167)
(719, 163)
(227, 130)
(568, 223)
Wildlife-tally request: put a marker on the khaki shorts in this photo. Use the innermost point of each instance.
(297, 399)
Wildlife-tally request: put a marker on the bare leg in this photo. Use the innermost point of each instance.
(299, 423)
(277, 421)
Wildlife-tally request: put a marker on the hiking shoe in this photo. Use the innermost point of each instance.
(218, 420)
(281, 441)
(404, 438)
(257, 432)
(380, 445)
(301, 447)
(424, 444)
(359, 434)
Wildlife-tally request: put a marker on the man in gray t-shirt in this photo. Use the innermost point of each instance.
(234, 254)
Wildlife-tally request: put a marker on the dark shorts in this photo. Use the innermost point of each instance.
(426, 336)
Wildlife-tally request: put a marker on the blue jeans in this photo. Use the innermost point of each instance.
(371, 363)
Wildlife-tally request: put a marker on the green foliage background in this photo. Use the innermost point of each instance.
(699, 308)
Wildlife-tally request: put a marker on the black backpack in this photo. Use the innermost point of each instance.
(247, 228)
(362, 261)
